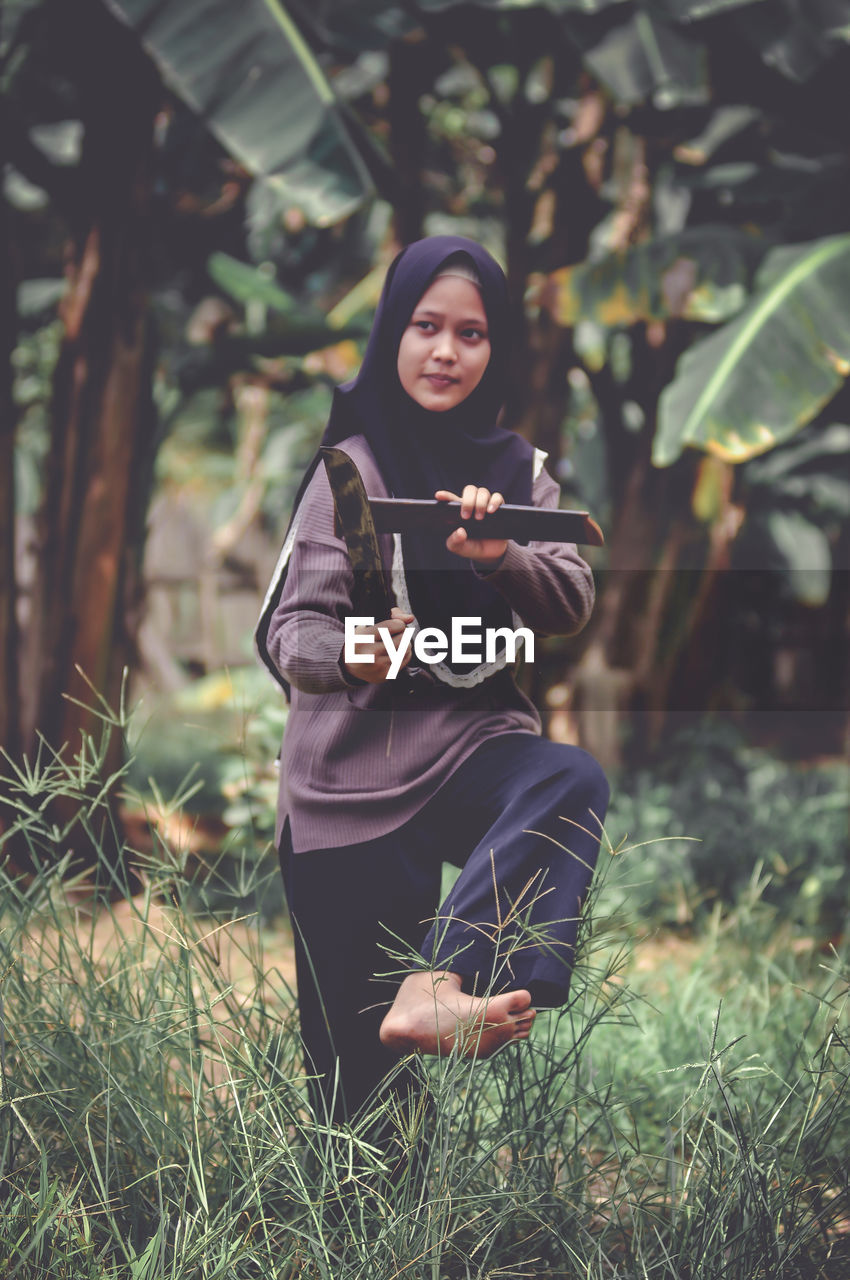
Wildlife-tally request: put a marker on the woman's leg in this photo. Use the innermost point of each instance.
(346, 905)
(524, 817)
(512, 916)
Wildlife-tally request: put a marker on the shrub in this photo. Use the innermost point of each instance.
(746, 815)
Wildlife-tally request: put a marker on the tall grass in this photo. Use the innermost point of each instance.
(156, 1122)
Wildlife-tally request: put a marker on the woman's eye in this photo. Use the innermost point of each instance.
(427, 326)
(473, 334)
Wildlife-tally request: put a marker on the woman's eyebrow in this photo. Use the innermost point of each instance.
(431, 314)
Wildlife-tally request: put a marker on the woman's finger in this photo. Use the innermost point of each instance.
(482, 503)
(484, 550)
(467, 501)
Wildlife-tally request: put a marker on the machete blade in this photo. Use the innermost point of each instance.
(525, 524)
(373, 597)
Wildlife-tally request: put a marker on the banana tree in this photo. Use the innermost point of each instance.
(250, 77)
(766, 373)
(740, 235)
(249, 74)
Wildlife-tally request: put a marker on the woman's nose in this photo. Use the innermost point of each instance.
(444, 347)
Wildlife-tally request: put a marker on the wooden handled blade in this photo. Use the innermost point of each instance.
(373, 597)
(524, 524)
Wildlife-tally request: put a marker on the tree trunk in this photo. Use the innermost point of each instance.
(410, 75)
(86, 598)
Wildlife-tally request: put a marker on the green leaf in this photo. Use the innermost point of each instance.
(821, 497)
(363, 27)
(557, 6)
(249, 284)
(769, 371)
(21, 193)
(292, 329)
(794, 41)
(802, 551)
(647, 59)
(12, 13)
(37, 296)
(820, 447)
(832, 17)
(248, 73)
(699, 274)
(61, 140)
(692, 10)
(811, 475)
(724, 124)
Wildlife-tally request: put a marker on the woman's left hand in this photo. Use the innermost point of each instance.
(474, 502)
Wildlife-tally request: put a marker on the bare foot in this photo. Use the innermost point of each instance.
(432, 1014)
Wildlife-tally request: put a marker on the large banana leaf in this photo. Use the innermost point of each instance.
(821, 453)
(724, 124)
(764, 375)
(702, 273)
(558, 6)
(785, 542)
(12, 12)
(691, 10)
(297, 328)
(796, 39)
(245, 69)
(644, 59)
(250, 284)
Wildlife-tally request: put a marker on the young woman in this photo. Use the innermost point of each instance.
(382, 780)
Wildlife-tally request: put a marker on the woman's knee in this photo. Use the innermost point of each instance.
(595, 782)
(581, 773)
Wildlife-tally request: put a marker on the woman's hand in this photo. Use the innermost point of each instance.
(478, 502)
(370, 642)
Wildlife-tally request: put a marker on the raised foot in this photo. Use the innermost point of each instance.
(431, 1013)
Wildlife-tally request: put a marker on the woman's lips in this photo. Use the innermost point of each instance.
(440, 379)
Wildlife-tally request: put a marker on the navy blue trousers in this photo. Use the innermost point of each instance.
(522, 818)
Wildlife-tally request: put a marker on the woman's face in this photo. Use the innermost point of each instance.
(445, 348)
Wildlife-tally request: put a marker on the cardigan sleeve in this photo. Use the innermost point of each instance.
(546, 583)
(307, 630)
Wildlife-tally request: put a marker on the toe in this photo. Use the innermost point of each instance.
(519, 1000)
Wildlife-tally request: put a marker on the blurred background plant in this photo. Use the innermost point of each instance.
(755, 824)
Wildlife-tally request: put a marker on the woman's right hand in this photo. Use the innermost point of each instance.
(370, 642)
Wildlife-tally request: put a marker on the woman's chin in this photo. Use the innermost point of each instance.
(438, 401)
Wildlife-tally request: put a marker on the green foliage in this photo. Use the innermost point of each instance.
(645, 57)
(294, 328)
(248, 776)
(154, 1118)
(747, 820)
(219, 739)
(197, 456)
(796, 498)
(250, 284)
(699, 274)
(33, 362)
(769, 371)
(795, 42)
(252, 78)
